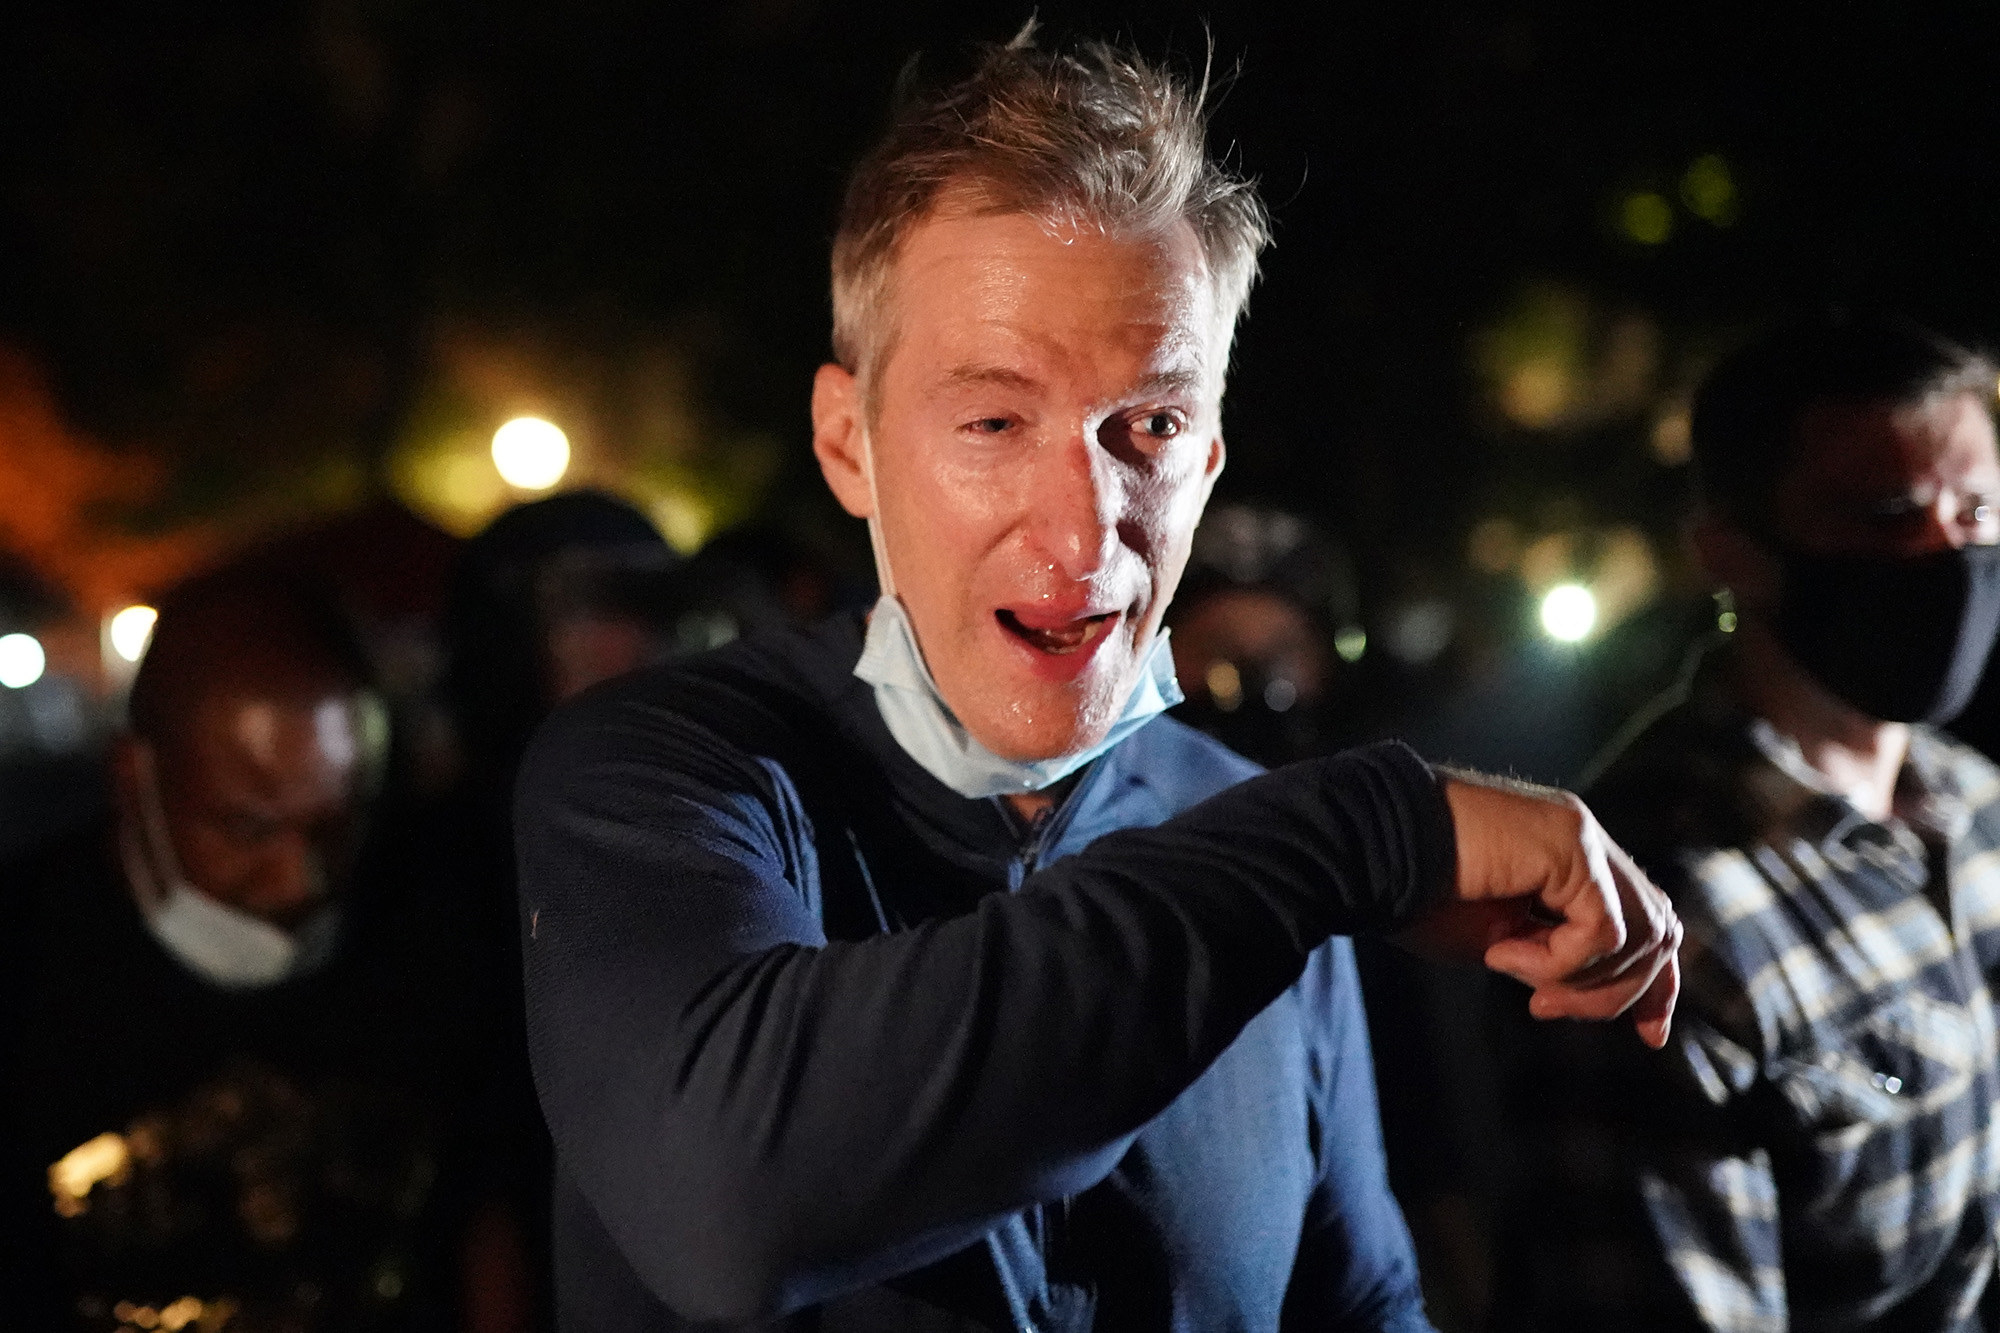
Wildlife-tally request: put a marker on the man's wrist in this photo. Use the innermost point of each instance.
(1427, 850)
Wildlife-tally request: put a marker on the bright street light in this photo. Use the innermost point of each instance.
(21, 660)
(1569, 613)
(131, 630)
(531, 453)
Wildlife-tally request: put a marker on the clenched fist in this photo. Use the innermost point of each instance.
(1544, 895)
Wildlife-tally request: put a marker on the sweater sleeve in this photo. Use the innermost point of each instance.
(1357, 1266)
(763, 1119)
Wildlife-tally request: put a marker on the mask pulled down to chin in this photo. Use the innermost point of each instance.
(223, 945)
(924, 726)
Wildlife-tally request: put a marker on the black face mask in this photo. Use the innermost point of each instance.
(1900, 640)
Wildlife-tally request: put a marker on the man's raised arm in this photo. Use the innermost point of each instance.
(763, 1119)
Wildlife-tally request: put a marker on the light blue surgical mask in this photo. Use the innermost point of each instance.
(219, 943)
(923, 724)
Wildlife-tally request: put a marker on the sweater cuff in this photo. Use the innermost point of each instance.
(1429, 839)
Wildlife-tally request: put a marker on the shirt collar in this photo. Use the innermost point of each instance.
(1780, 793)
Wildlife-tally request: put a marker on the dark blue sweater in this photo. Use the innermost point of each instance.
(818, 1038)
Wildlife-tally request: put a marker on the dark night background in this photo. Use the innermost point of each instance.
(262, 264)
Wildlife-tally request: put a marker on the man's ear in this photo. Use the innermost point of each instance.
(1735, 560)
(837, 438)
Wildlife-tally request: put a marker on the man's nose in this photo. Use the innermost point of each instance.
(1074, 506)
(1953, 521)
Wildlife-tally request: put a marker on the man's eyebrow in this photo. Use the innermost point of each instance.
(1181, 379)
(968, 376)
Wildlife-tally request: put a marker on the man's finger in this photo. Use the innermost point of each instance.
(1560, 1000)
(1654, 1014)
(1610, 998)
(1649, 920)
(1591, 933)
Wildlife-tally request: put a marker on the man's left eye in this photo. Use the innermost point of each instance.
(1160, 425)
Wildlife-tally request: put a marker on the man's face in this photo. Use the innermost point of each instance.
(1869, 479)
(263, 799)
(1045, 431)
(1892, 480)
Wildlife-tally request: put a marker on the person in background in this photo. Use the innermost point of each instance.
(1818, 1149)
(552, 597)
(914, 973)
(1253, 629)
(241, 1044)
(773, 576)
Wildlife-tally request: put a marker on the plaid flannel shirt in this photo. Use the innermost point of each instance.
(1818, 1148)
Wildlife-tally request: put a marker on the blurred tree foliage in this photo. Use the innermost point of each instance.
(248, 241)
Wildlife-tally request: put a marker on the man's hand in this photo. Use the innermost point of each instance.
(1546, 897)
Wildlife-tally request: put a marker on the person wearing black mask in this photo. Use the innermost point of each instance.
(1819, 1146)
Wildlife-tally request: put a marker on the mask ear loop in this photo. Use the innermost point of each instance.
(876, 542)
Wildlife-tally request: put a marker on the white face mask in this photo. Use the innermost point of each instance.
(923, 724)
(219, 943)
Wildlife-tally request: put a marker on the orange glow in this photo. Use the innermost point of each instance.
(83, 1168)
(58, 484)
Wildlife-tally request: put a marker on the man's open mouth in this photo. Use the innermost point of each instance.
(1059, 639)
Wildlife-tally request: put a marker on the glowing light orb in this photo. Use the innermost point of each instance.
(22, 660)
(531, 453)
(1646, 217)
(131, 630)
(105, 1159)
(1569, 613)
(1709, 190)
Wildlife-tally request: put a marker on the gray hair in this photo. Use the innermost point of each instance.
(1097, 136)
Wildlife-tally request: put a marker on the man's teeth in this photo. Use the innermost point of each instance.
(1066, 638)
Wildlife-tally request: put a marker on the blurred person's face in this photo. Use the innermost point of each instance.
(1874, 479)
(1044, 431)
(262, 797)
(586, 650)
(1254, 670)
(1889, 480)
(1237, 633)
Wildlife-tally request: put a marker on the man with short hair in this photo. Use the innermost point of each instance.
(1818, 1149)
(919, 975)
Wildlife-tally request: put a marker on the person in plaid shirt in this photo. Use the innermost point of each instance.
(1817, 1149)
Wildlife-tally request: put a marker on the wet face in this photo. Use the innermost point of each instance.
(1045, 431)
(263, 797)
